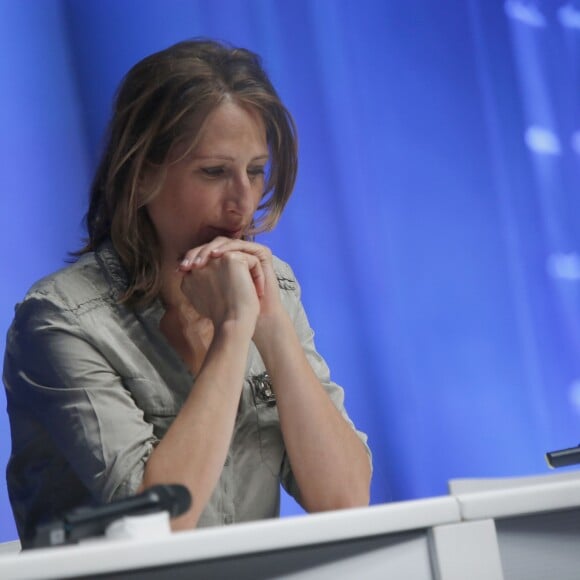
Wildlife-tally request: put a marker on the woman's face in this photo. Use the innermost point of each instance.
(215, 190)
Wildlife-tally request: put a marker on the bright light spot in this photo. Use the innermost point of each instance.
(574, 395)
(543, 141)
(569, 16)
(525, 12)
(564, 266)
(575, 141)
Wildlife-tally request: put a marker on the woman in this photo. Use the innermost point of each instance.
(176, 349)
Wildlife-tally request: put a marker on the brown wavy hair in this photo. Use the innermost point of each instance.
(161, 103)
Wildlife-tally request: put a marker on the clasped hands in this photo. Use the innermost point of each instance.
(231, 279)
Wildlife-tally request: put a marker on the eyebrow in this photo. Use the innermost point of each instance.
(264, 157)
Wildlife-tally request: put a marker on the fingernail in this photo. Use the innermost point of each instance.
(185, 262)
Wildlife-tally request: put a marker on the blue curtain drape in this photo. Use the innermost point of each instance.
(434, 226)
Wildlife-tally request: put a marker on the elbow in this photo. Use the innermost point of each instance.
(350, 502)
(355, 493)
(187, 520)
(356, 498)
(347, 497)
(337, 503)
(363, 500)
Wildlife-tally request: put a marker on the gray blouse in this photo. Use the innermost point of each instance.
(92, 386)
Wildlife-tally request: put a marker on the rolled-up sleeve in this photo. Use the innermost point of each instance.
(56, 375)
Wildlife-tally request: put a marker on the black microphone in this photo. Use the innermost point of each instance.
(87, 521)
(563, 457)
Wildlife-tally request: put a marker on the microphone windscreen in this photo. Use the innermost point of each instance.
(175, 498)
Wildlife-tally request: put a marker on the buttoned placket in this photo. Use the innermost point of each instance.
(228, 492)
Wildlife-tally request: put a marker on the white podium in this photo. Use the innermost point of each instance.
(537, 522)
(527, 528)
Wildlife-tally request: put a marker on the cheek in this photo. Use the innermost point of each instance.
(168, 214)
(172, 201)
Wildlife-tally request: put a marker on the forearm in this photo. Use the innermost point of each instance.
(194, 449)
(328, 459)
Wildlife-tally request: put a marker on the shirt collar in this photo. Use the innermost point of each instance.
(118, 278)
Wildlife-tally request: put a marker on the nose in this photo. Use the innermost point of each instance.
(242, 194)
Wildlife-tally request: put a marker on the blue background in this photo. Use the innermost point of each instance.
(434, 225)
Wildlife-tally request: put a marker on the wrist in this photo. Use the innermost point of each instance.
(271, 329)
(235, 329)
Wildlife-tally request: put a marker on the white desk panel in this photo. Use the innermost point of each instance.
(500, 498)
(348, 526)
(537, 521)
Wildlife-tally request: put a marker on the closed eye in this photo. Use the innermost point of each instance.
(215, 171)
(256, 170)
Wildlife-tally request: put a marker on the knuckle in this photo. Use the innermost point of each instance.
(263, 250)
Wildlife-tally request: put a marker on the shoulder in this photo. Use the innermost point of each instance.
(73, 286)
(75, 289)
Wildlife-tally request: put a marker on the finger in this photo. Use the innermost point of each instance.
(199, 256)
(208, 251)
(257, 274)
(228, 245)
(190, 260)
(254, 267)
